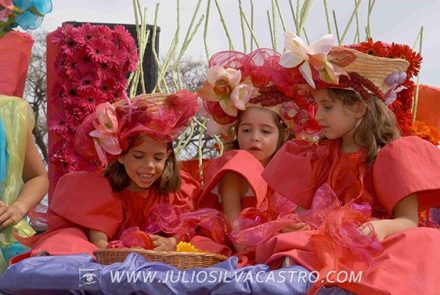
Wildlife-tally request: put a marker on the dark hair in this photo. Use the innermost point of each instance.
(169, 180)
(282, 138)
(378, 126)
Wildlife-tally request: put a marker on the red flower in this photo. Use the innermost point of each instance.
(68, 44)
(83, 61)
(121, 37)
(99, 51)
(118, 57)
(85, 34)
(104, 71)
(105, 33)
(405, 52)
(107, 86)
(87, 82)
(373, 48)
(58, 124)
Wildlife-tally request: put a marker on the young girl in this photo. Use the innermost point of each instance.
(23, 178)
(363, 161)
(134, 140)
(235, 98)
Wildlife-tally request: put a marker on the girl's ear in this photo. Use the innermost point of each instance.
(169, 152)
(359, 108)
(121, 160)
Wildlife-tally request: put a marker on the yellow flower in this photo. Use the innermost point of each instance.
(186, 247)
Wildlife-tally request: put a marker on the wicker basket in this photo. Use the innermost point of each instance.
(182, 260)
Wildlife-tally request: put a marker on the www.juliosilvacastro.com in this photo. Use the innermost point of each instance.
(211, 277)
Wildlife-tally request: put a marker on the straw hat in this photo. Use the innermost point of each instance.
(379, 70)
(323, 65)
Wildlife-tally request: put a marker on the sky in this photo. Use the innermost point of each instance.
(391, 21)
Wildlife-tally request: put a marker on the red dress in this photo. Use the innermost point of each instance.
(84, 200)
(245, 165)
(410, 165)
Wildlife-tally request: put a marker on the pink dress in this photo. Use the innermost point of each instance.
(242, 163)
(410, 165)
(84, 200)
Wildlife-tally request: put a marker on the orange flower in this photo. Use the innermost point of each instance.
(427, 132)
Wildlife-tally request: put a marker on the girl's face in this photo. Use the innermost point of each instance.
(336, 119)
(258, 133)
(144, 163)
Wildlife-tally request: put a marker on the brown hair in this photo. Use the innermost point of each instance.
(167, 182)
(378, 125)
(282, 138)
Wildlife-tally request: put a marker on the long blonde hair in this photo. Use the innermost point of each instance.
(378, 125)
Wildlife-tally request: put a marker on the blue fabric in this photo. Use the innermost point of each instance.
(29, 19)
(3, 156)
(13, 250)
(79, 274)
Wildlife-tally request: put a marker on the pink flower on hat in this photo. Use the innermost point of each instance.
(105, 135)
(223, 86)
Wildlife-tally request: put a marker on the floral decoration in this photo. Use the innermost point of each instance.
(91, 66)
(403, 101)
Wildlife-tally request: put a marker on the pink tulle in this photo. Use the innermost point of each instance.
(169, 220)
(324, 202)
(337, 226)
(164, 218)
(257, 225)
(339, 242)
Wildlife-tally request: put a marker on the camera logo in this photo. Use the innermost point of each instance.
(88, 276)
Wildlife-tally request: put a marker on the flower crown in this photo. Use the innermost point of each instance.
(323, 65)
(237, 81)
(106, 132)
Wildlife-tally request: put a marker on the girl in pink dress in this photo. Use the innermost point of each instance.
(140, 184)
(364, 164)
(234, 99)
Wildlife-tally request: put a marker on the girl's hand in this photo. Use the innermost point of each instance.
(378, 227)
(10, 214)
(299, 226)
(164, 244)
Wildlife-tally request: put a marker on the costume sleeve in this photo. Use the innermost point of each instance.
(409, 165)
(188, 194)
(242, 163)
(86, 199)
(297, 170)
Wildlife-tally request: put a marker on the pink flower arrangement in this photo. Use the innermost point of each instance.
(92, 66)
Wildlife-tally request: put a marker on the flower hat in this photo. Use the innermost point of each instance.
(323, 65)
(105, 134)
(237, 81)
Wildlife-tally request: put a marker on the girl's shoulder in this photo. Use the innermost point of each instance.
(89, 180)
(408, 165)
(409, 149)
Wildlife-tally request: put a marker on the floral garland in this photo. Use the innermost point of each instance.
(26, 14)
(91, 67)
(402, 106)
